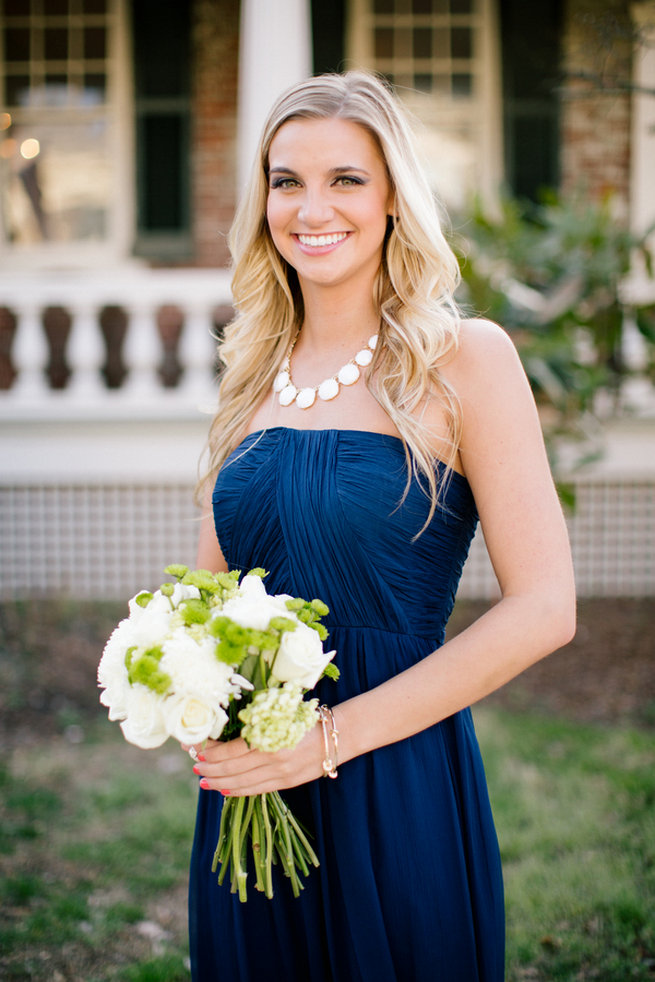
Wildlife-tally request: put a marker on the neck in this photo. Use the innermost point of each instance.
(331, 321)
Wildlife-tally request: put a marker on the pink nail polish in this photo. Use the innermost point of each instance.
(196, 769)
(224, 792)
(202, 758)
(204, 784)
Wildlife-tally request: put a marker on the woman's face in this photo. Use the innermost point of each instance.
(328, 201)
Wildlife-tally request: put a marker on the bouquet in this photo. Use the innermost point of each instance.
(214, 656)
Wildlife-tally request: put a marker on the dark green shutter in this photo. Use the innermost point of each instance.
(162, 97)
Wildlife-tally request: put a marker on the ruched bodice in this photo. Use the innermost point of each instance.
(330, 502)
(409, 888)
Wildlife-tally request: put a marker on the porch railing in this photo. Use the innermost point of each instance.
(109, 345)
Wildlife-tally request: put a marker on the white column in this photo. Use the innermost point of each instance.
(642, 204)
(274, 53)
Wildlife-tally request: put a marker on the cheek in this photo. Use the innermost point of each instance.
(275, 220)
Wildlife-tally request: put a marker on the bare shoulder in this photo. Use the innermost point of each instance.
(486, 357)
(481, 340)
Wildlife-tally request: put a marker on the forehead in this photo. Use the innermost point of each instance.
(324, 140)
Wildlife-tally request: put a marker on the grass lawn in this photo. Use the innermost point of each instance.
(95, 834)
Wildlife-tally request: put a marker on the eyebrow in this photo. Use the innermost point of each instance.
(333, 172)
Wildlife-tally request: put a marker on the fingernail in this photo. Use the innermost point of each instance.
(224, 792)
(204, 784)
(202, 758)
(196, 769)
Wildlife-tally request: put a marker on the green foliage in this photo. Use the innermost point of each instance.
(574, 810)
(553, 276)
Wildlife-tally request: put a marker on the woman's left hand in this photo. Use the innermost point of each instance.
(234, 769)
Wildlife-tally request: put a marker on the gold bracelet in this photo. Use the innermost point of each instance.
(326, 717)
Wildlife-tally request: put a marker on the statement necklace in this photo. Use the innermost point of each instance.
(329, 389)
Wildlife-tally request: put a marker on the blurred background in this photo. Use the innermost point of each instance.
(127, 128)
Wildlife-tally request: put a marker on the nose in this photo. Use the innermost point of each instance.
(315, 208)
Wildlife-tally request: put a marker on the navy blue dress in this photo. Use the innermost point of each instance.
(410, 887)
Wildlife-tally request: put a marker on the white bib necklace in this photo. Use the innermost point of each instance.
(328, 389)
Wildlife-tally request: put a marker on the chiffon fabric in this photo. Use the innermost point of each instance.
(409, 887)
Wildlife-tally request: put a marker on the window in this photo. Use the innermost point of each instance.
(427, 45)
(442, 58)
(56, 149)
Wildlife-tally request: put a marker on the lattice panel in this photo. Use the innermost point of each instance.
(94, 541)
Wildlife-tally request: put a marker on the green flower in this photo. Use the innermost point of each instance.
(278, 718)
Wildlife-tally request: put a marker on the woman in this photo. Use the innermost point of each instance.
(363, 485)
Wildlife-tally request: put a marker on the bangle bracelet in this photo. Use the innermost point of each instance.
(330, 731)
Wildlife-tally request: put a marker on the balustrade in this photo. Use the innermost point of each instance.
(111, 371)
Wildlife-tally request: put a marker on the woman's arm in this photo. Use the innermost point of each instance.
(209, 552)
(505, 462)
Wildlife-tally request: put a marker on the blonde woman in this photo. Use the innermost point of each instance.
(363, 429)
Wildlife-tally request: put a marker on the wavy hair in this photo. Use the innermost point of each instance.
(414, 287)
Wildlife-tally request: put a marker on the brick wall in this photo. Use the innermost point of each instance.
(215, 47)
(595, 105)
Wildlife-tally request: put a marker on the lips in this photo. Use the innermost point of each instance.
(318, 241)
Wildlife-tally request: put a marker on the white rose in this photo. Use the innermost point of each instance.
(192, 720)
(194, 668)
(252, 606)
(145, 725)
(300, 657)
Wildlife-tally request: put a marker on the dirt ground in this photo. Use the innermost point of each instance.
(49, 653)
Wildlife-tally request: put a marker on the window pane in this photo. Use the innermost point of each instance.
(95, 86)
(383, 40)
(17, 90)
(17, 44)
(60, 184)
(55, 8)
(422, 42)
(56, 90)
(461, 6)
(94, 42)
(462, 83)
(17, 8)
(422, 6)
(94, 6)
(383, 6)
(423, 82)
(55, 43)
(461, 42)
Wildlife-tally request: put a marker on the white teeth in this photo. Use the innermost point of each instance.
(322, 240)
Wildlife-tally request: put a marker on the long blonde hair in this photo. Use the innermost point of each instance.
(414, 288)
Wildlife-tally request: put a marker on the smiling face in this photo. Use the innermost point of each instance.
(328, 202)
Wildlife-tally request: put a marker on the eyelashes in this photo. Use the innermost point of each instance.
(287, 183)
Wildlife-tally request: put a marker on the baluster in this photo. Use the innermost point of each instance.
(30, 355)
(142, 352)
(196, 351)
(85, 353)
